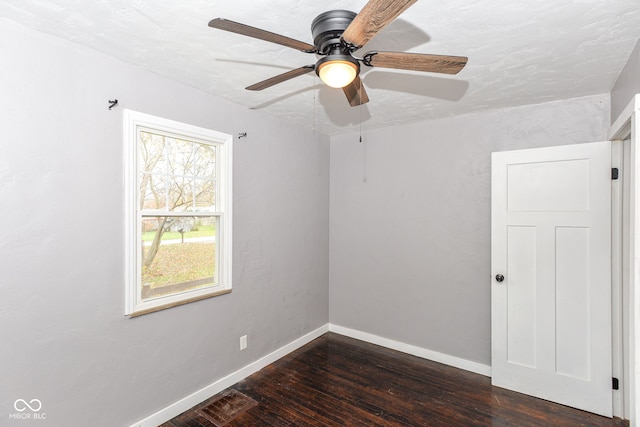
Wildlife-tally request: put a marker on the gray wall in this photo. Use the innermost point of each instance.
(627, 85)
(64, 339)
(409, 233)
(410, 221)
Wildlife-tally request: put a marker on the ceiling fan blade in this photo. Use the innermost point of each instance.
(416, 61)
(373, 17)
(356, 95)
(246, 30)
(281, 78)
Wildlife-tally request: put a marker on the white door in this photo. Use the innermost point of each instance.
(551, 268)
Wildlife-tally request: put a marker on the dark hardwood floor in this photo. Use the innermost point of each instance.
(339, 381)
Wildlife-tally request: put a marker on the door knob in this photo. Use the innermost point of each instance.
(499, 277)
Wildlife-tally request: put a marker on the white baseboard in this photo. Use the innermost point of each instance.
(424, 353)
(193, 399)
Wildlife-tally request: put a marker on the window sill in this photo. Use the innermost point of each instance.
(177, 303)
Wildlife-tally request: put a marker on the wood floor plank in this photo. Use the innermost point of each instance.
(339, 381)
(305, 408)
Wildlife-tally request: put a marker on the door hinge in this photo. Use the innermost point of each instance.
(614, 173)
(615, 383)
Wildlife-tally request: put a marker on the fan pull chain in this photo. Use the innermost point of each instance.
(315, 84)
(360, 112)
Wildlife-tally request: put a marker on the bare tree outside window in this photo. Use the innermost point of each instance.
(178, 177)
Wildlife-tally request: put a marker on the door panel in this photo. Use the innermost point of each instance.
(551, 316)
(561, 186)
(573, 320)
(521, 314)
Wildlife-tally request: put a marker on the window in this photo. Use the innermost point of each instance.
(178, 213)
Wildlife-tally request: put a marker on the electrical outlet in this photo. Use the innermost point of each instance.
(243, 342)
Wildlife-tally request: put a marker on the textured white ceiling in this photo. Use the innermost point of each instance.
(520, 52)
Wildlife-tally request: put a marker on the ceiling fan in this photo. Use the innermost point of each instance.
(337, 34)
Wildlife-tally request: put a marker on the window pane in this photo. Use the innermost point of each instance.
(178, 254)
(180, 194)
(205, 195)
(153, 192)
(205, 160)
(181, 157)
(152, 153)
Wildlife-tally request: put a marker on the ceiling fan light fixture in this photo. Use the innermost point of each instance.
(337, 35)
(337, 72)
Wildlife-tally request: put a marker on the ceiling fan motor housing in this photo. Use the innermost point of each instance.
(327, 28)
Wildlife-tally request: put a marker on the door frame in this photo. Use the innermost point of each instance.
(627, 126)
(619, 285)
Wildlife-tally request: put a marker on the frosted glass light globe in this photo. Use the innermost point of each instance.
(337, 73)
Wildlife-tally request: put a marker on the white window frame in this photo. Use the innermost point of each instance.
(134, 122)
